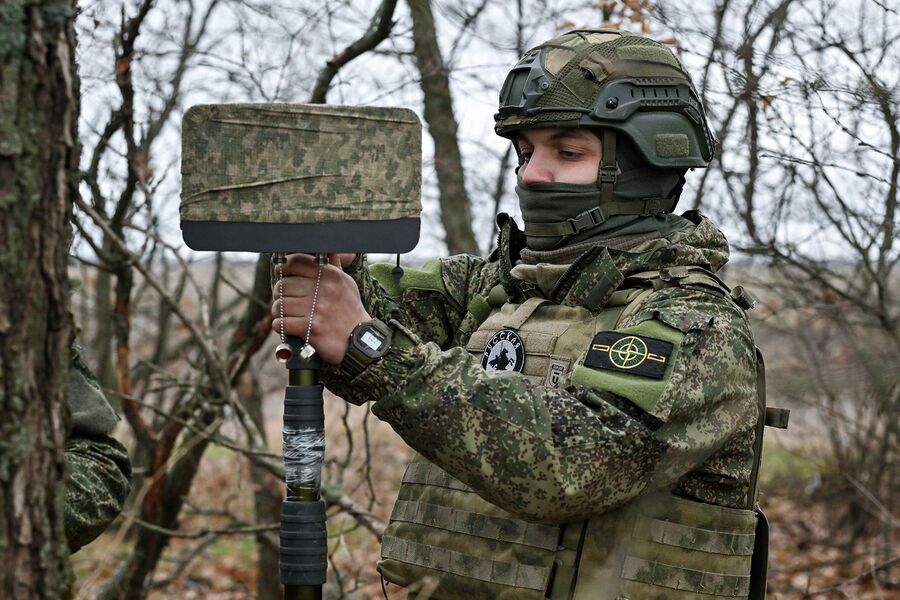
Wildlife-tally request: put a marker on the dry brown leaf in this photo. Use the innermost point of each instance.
(123, 64)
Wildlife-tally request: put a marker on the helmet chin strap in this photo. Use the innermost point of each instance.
(607, 172)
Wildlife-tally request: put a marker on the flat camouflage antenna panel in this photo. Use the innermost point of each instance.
(300, 178)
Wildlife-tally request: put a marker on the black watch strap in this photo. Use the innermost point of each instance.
(369, 341)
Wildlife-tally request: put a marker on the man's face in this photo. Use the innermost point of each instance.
(557, 154)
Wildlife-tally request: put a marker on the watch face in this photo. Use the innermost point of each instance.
(371, 341)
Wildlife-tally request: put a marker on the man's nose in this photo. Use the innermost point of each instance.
(536, 170)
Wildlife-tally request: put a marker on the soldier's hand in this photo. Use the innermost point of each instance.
(338, 307)
(342, 259)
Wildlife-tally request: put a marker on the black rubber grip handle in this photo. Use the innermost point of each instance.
(303, 406)
(304, 543)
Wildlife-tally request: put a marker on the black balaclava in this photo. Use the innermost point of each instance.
(555, 202)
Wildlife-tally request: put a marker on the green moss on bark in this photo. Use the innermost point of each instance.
(38, 166)
(12, 33)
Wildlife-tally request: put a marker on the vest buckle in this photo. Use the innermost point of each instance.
(652, 206)
(586, 220)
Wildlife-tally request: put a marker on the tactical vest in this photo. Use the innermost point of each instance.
(445, 542)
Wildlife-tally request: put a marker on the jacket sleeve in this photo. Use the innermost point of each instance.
(558, 454)
(99, 467)
(99, 482)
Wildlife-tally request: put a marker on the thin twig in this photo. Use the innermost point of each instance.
(206, 347)
(870, 574)
(203, 531)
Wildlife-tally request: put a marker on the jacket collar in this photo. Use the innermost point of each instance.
(592, 278)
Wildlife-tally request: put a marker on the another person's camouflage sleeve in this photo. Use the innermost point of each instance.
(558, 454)
(99, 483)
(99, 467)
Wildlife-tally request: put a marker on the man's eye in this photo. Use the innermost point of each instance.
(526, 156)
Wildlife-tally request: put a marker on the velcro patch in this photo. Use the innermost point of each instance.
(629, 353)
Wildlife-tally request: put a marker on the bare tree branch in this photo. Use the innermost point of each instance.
(379, 30)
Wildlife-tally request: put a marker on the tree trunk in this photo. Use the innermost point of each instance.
(443, 128)
(38, 178)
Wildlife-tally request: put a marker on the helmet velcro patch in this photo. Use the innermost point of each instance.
(653, 54)
(555, 58)
(672, 145)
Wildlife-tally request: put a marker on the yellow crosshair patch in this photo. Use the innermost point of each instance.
(629, 353)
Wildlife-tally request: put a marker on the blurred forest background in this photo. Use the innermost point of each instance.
(804, 98)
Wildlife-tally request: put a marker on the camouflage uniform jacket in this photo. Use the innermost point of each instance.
(99, 468)
(556, 454)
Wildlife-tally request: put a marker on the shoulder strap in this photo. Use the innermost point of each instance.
(685, 276)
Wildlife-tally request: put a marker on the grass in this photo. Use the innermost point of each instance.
(780, 464)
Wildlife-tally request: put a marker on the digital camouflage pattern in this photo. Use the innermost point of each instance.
(611, 79)
(99, 467)
(554, 455)
(297, 164)
(99, 482)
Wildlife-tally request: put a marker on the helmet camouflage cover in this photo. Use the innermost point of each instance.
(606, 78)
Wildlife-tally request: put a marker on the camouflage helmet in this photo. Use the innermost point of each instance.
(614, 80)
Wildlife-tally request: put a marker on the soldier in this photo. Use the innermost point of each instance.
(99, 468)
(617, 456)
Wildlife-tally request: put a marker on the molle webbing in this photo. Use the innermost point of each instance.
(451, 519)
(662, 547)
(553, 335)
(689, 581)
(441, 528)
(482, 568)
(671, 533)
(464, 521)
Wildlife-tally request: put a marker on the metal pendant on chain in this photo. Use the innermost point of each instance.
(283, 351)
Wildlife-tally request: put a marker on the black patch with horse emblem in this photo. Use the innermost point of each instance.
(629, 353)
(504, 352)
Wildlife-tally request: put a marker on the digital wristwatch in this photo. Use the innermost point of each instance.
(369, 341)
